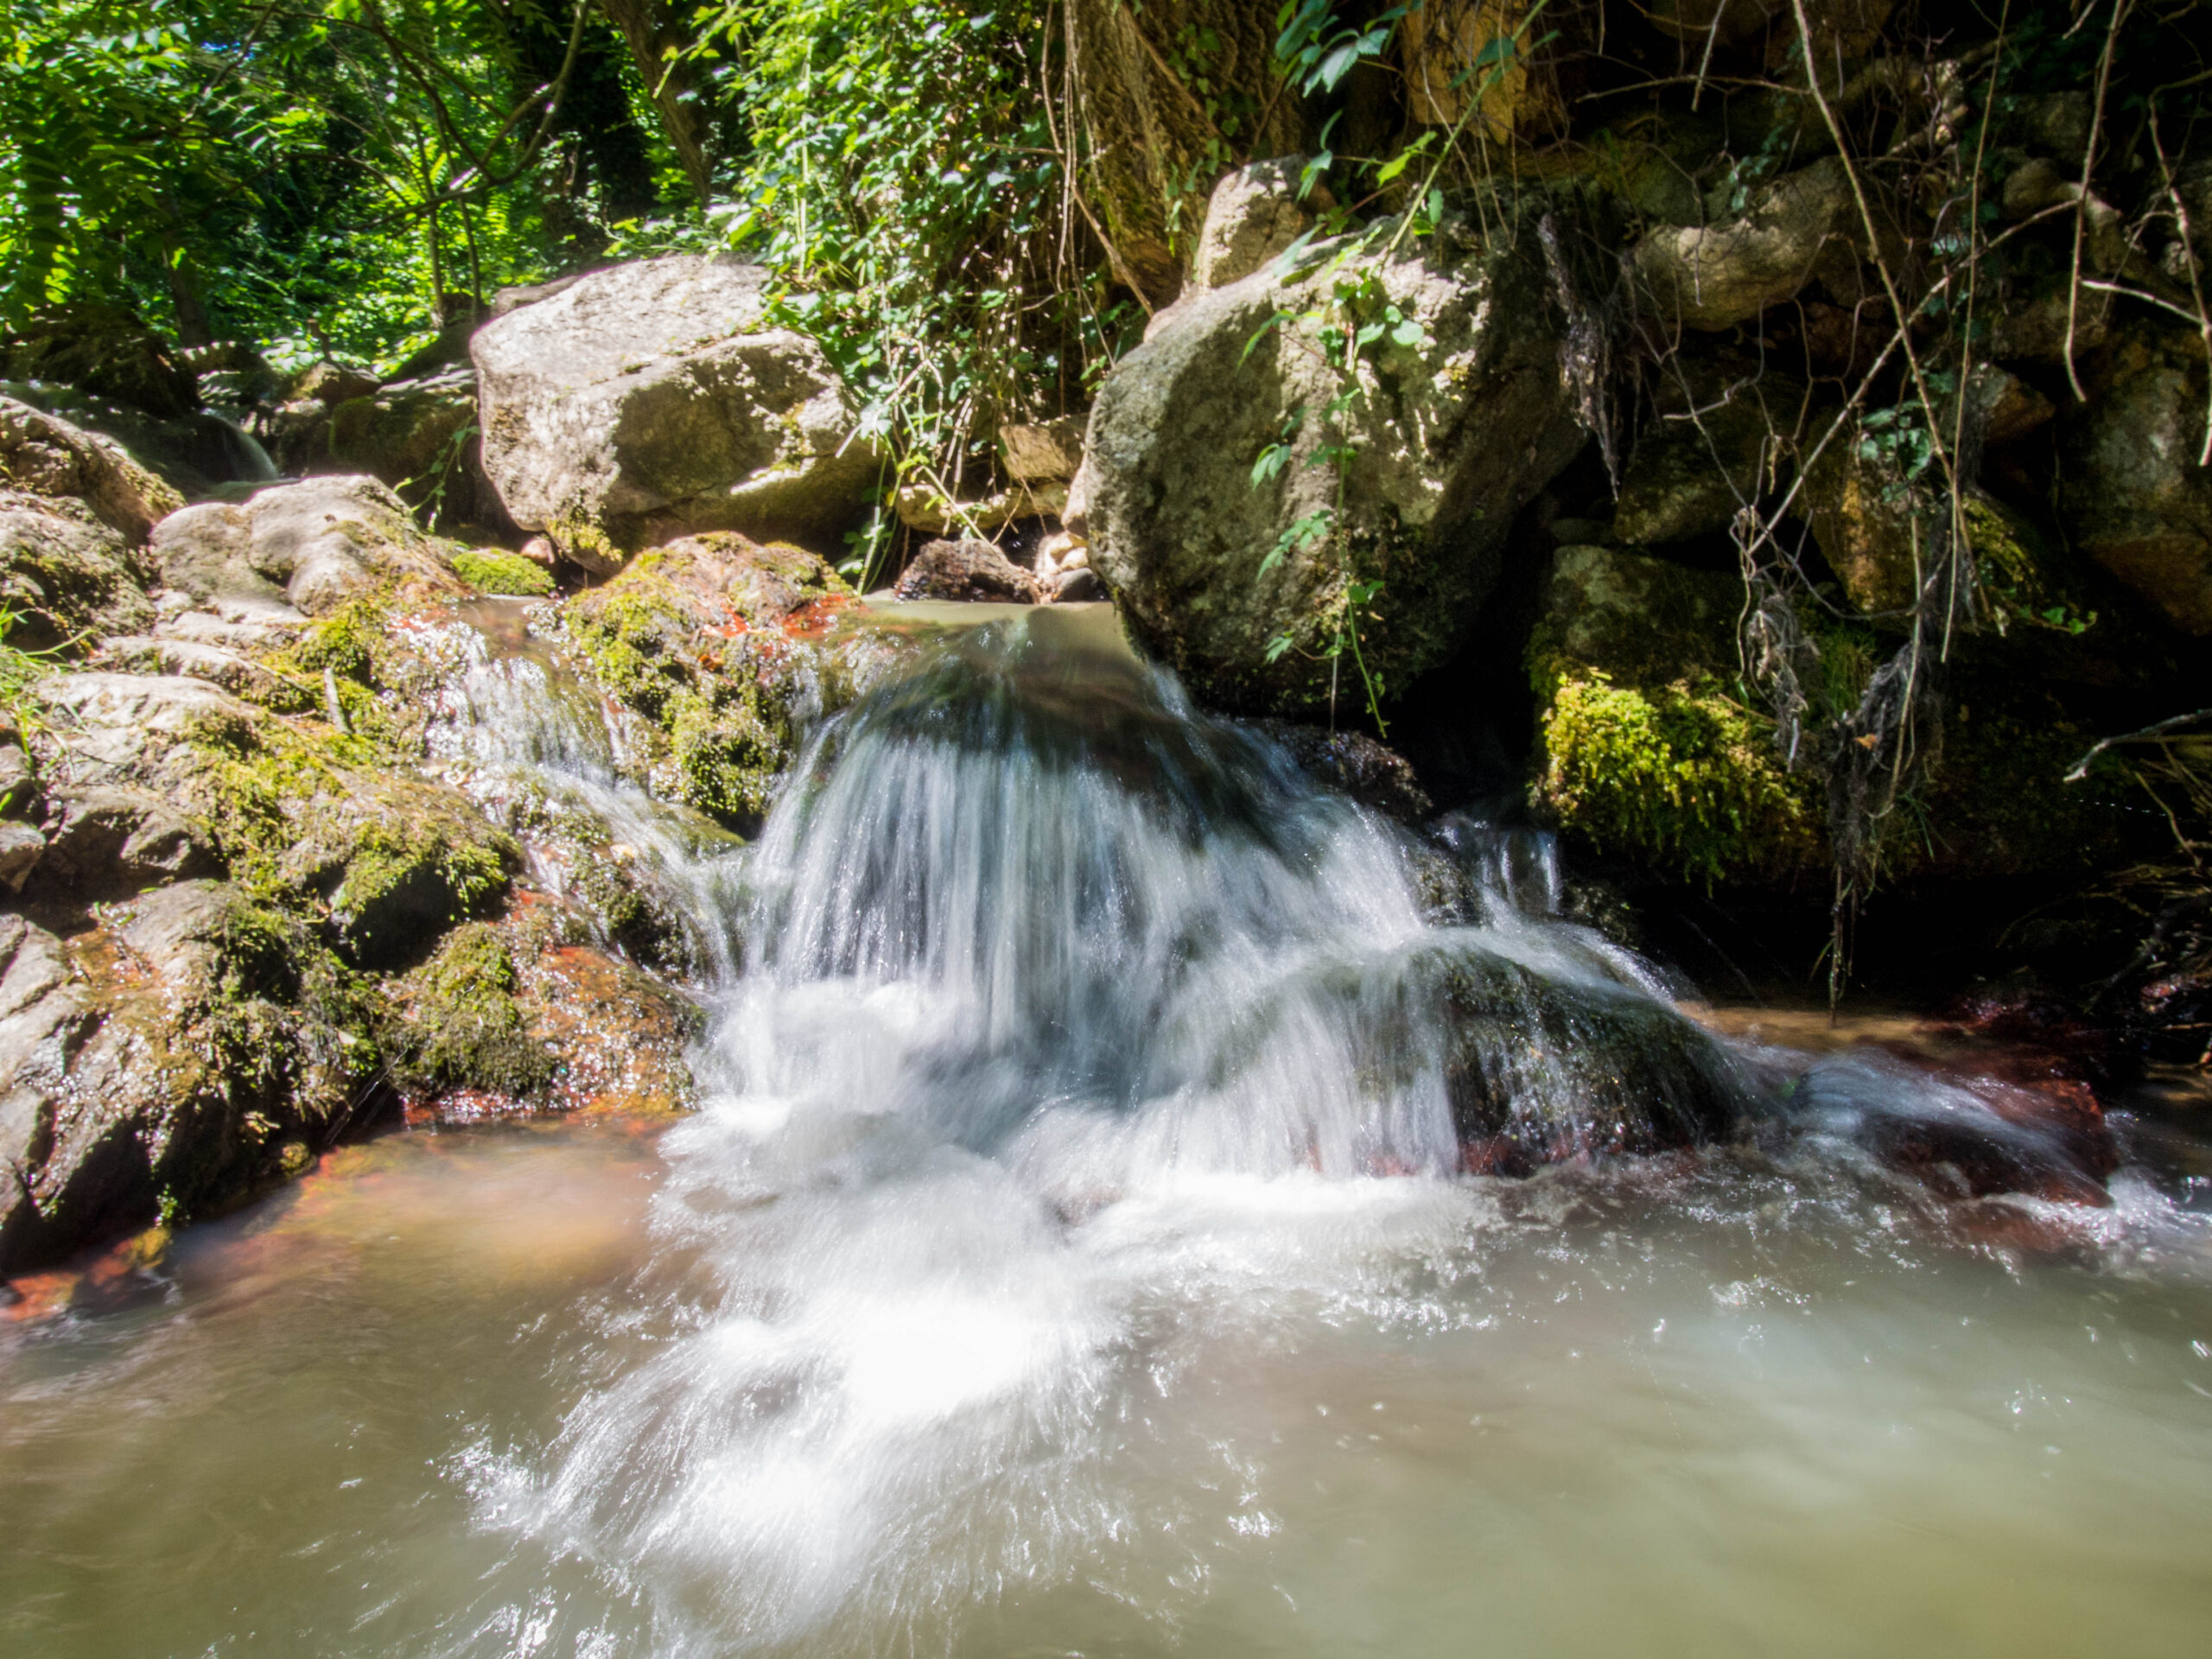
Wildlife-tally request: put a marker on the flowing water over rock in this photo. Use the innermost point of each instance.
(1076, 1252)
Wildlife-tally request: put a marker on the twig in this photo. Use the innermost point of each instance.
(2080, 768)
(2081, 202)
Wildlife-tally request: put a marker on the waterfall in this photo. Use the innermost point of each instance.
(1068, 1012)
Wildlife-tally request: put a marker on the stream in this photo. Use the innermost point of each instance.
(1073, 1256)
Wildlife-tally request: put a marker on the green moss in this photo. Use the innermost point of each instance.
(583, 535)
(491, 571)
(351, 641)
(726, 754)
(304, 817)
(1675, 777)
(458, 1024)
(2022, 582)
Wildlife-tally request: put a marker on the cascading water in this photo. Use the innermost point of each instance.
(1070, 1013)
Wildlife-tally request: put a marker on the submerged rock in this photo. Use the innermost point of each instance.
(1457, 420)
(652, 401)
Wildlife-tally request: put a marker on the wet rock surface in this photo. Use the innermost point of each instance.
(967, 570)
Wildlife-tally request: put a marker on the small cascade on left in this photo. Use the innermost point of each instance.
(559, 765)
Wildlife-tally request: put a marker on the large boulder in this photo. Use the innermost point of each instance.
(2132, 492)
(1458, 418)
(653, 401)
(314, 544)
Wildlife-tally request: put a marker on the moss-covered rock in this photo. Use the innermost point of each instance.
(180, 1055)
(1681, 778)
(489, 570)
(308, 815)
(456, 1024)
(715, 641)
(64, 575)
(1650, 754)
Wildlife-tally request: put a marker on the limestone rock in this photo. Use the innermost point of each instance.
(652, 400)
(1042, 454)
(110, 728)
(2132, 495)
(313, 544)
(123, 1072)
(46, 456)
(65, 573)
(1453, 433)
(1254, 214)
(1715, 277)
(101, 842)
(1862, 513)
(922, 508)
(21, 848)
(966, 571)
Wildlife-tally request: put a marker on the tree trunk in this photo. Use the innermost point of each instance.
(654, 37)
(1165, 101)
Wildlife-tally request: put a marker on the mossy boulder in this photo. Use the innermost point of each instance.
(527, 1014)
(1649, 753)
(298, 813)
(1458, 415)
(715, 641)
(456, 1024)
(66, 577)
(319, 818)
(181, 1054)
